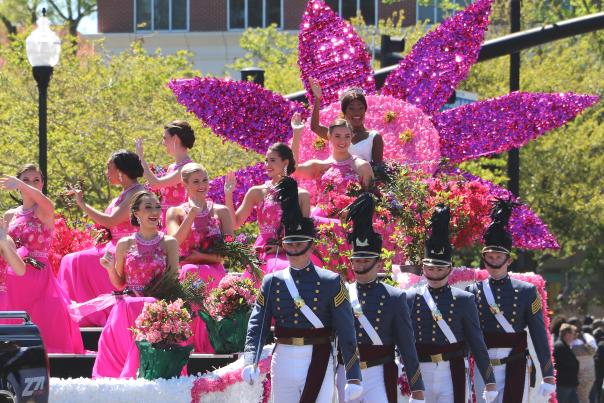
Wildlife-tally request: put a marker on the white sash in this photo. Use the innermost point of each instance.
(488, 293)
(300, 304)
(438, 317)
(358, 312)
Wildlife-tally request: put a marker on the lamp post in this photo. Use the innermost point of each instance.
(43, 48)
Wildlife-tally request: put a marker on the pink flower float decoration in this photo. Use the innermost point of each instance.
(406, 113)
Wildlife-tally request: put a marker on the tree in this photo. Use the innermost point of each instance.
(71, 12)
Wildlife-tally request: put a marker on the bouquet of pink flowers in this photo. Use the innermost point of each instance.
(226, 312)
(232, 294)
(163, 323)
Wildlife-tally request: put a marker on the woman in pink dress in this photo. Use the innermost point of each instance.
(335, 174)
(178, 139)
(38, 293)
(279, 162)
(196, 224)
(139, 258)
(8, 257)
(81, 273)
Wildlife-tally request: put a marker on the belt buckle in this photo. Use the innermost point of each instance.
(297, 341)
(436, 357)
(436, 315)
(358, 312)
(299, 302)
(363, 364)
(496, 361)
(494, 308)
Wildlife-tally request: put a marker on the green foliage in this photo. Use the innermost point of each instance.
(98, 104)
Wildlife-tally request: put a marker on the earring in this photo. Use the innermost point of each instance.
(120, 177)
(285, 170)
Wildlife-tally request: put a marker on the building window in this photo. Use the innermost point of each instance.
(349, 8)
(242, 14)
(162, 15)
(432, 11)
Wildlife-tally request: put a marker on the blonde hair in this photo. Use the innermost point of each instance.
(190, 169)
(338, 123)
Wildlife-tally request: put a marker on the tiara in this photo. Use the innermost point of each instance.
(352, 91)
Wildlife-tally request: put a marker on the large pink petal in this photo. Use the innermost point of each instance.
(500, 124)
(440, 60)
(238, 111)
(332, 52)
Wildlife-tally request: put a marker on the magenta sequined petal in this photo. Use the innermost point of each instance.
(528, 230)
(332, 52)
(238, 111)
(440, 60)
(500, 124)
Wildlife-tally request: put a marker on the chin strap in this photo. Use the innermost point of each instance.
(301, 252)
(367, 270)
(491, 265)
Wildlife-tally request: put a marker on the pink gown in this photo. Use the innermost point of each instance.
(118, 355)
(38, 292)
(269, 222)
(82, 275)
(3, 295)
(205, 228)
(173, 195)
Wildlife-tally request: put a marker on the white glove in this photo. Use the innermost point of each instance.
(546, 389)
(352, 391)
(412, 400)
(489, 395)
(250, 374)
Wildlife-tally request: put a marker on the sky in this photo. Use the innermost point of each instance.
(88, 25)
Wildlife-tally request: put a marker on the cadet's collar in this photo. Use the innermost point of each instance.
(500, 281)
(300, 272)
(438, 290)
(368, 286)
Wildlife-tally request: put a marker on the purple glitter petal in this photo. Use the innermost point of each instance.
(332, 52)
(500, 124)
(238, 111)
(440, 60)
(528, 230)
(246, 178)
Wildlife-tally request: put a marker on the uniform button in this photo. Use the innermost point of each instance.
(450, 320)
(514, 313)
(418, 319)
(436, 297)
(433, 339)
(295, 322)
(377, 319)
(379, 311)
(454, 298)
(434, 325)
(278, 308)
(417, 312)
(364, 294)
(297, 281)
(317, 291)
(278, 291)
(514, 305)
(381, 304)
(296, 315)
(375, 327)
(420, 339)
(451, 305)
(314, 308)
(383, 297)
(278, 299)
(308, 269)
(360, 334)
(417, 304)
(315, 299)
(450, 311)
(318, 283)
(498, 326)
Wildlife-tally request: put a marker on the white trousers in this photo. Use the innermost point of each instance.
(374, 389)
(499, 372)
(437, 381)
(289, 367)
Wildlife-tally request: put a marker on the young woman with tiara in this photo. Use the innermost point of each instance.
(81, 273)
(139, 259)
(178, 139)
(31, 226)
(279, 163)
(196, 225)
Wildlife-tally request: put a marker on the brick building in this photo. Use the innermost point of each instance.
(211, 29)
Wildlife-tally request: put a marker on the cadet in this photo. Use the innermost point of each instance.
(506, 307)
(308, 305)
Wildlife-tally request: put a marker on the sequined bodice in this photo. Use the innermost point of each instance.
(122, 229)
(269, 212)
(174, 195)
(144, 261)
(27, 230)
(204, 230)
(337, 178)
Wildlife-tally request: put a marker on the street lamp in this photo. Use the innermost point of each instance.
(43, 48)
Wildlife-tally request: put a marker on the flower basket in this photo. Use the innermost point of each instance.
(161, 362)
(227, 335)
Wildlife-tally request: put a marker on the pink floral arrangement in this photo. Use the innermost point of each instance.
(163, 323)
(66, 239)
(232, 294)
